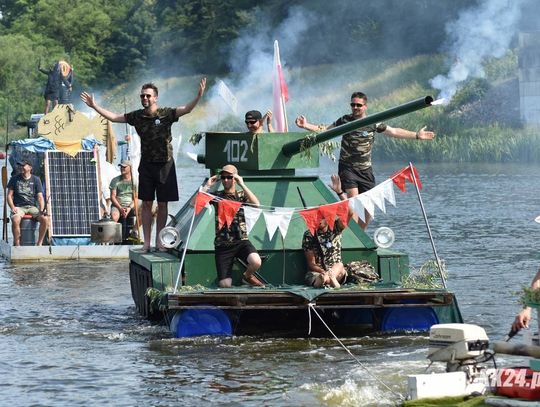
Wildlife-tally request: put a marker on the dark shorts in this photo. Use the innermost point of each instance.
(364, 180)
(225, 256)
(158, 179)
(51, 95)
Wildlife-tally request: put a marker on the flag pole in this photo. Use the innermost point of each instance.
(184, 253)
(439, 264)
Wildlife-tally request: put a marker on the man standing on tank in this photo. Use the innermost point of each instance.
(355, 169)
(157, 172)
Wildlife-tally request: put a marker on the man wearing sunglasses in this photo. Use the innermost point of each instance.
(232, 241)
(157, 172)
(354, 167)
(254, 121)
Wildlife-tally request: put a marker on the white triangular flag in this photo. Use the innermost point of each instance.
(252, 215)
(388, 188)
(227, 96)
(280, 218)
(368, 204)
(376, 195)
(356, 206)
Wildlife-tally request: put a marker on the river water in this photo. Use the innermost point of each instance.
(69, 333)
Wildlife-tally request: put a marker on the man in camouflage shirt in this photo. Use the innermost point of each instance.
(323, 250)
(355, 156)
(157, 171)
(232, 241)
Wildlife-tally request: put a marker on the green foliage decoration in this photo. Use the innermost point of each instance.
(155, 297)
(428, 276)
(530, 297)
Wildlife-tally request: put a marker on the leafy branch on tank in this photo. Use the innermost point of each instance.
(530, 297)
(326, 148)
(156, 297)
(427, 277)
(196, 138)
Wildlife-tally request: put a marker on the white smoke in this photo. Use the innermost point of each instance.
(250, 79)
(479, 32)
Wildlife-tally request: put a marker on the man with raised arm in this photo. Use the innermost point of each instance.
(157, 172)
(355, 168)
(255, 121)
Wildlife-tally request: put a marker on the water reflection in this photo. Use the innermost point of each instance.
(69, 333)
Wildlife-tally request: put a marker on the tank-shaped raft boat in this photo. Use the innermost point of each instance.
(181, 285)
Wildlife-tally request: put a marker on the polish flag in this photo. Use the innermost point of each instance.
(280, 94)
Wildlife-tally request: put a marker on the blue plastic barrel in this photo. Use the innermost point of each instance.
(409, 319)
(207, 321)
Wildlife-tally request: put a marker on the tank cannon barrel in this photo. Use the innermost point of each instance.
(295, 147)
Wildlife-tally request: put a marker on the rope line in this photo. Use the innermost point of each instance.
(311, 307)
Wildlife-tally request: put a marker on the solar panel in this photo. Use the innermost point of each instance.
(72, 192)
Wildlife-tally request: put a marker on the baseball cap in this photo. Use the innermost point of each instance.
(254, 115)
(23, 162)
(125, 163)
(231, 169)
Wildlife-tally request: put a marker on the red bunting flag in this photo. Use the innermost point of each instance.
(328, 212)
(333, 210)
(342, 212)
(226, 211)
(201, 200)
(312, 217)
(406, 174)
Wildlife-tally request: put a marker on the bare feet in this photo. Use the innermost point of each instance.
(333, 281)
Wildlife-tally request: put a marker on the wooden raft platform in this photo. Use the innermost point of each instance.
(266, 298)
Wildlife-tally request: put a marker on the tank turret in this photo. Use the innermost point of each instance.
(280, 152)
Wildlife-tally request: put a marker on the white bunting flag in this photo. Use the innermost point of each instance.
(368, 204)
(227, 96)
(252, 215)
(376, 195)
(356, 206)
(280, 218)
(388, 188)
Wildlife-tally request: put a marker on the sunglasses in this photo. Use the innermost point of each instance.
(357, 105)
(251, 121)
(145, 96)
(227, 177)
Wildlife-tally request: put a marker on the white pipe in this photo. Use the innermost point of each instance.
(184, 253)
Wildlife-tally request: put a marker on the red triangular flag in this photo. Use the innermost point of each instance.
(201, 200)
(328, 212)
(418, 182)
(226, 211)
(312, 217)
(342, 212)
(406, 174)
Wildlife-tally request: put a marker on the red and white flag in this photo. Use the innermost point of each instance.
(280, 94)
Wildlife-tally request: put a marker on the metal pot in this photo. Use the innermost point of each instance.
(106, 231)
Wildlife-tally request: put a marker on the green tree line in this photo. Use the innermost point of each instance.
(111, 42)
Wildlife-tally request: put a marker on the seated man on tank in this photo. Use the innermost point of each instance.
(232, 241)
(323, 251)
(255, 121)
(25, 197)
(123, 193)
